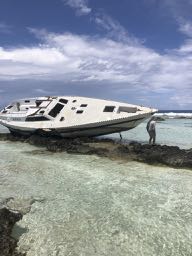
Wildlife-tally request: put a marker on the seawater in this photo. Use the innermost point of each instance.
(172, 132)
(91, 206)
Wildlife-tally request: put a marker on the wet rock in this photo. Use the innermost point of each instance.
(8, 244)
(151, 154)
(157, 154)
(159, 118)
(37, 140)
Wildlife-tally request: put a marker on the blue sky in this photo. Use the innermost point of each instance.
(137, 51)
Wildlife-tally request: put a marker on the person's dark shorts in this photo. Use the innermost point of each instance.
(152, 133)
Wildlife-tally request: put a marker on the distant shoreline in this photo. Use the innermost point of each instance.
(176, 114)
(175, 111)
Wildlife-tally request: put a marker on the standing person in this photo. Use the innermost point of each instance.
(151, 130)
(18, 106)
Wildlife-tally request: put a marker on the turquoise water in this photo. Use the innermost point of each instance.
(173, 132)
(91, 206)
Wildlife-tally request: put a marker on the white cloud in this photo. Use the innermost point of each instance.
(125, 65)
(80, 6)
(80, 57)
(37, 56)
(182, 100)
(114, 28)
(186, 28)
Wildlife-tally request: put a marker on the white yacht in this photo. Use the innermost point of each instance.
(70, 116)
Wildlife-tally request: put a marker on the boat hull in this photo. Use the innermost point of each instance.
(89, 130)
(71, 116)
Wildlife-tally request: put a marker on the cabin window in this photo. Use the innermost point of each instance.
(62, 118)
(27, 101)
(79, 111)
(4, 111)
(64, 101)
(127, 109)
(109, 108)
(10, 106)
(56, 110)
(38, 102)
(74, 101)
(36, 118)
(83, 105)
(42, 112)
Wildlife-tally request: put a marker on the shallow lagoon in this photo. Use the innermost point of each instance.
(87, 205)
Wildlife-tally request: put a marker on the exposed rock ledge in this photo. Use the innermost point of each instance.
(8, 245)
(151, 154)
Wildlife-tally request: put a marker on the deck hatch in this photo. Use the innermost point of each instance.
(56, 110)
(64, 101)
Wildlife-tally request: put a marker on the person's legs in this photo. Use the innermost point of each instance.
(150, 138)
(154, 137)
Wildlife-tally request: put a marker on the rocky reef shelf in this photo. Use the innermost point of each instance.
(171, 156)
(8, 244)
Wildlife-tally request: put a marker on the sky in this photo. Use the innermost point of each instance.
(134, 51)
